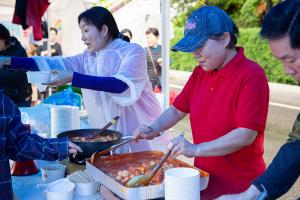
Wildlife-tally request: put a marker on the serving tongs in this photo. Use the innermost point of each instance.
(101, 153)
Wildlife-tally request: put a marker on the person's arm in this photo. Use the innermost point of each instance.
(165, 121)
(106, 84)
(252, 193)
(19, 63)
(282, 172)
(295, 133)
(277, 179)
(227, 144)
(22, 145)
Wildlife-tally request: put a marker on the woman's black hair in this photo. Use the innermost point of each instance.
(99, 16)
(153, 30)
(126, 30)
(54, 29)
(283, 19)
(4, 34)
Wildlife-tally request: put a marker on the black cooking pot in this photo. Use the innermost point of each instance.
(90, 147)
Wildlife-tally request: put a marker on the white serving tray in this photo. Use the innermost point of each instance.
(147, 192)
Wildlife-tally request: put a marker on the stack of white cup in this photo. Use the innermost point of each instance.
(64, 118)
(182, 183)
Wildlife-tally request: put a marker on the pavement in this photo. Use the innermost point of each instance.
(282, 95)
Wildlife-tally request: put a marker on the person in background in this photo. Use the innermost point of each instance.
(14, 83)
(281, 27)
(227, 99)
(127, 32)
(17, 143)
(154, 60)
(54, 45)
(112, 74)
(33, 46)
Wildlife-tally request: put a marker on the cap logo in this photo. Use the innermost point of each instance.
(190, 25)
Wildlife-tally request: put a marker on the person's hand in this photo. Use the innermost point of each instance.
(180, 145)
(252, 193)
(145, 132)
(60, 78)
(4, 60)
(73, 148)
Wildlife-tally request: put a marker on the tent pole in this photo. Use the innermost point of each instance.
(49, 47)
(165, 14)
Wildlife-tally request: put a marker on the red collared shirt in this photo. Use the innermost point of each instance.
(219, 102)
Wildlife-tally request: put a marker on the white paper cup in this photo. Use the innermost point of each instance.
(182, 183)
(53, 172)
(61, 189)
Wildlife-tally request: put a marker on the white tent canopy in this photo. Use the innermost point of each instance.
(137, 15)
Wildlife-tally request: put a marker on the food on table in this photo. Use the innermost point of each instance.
(123, 176)
(123, 167)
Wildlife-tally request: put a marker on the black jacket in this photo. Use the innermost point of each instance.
(284, 170)
(15, 83)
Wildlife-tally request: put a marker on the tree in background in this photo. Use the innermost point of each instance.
(184, 8)
(247, 13)
(250, 14)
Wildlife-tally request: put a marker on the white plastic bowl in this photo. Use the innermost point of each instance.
(53, 172)
(61, 189)
(39, 76)
(86, 189)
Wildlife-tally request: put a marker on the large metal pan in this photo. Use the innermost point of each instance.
(90, 147)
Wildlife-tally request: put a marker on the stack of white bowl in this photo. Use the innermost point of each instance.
(64, 118)
(182, 183)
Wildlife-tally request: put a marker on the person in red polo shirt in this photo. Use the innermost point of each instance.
(227, 98)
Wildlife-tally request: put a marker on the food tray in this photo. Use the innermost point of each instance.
(146, 192)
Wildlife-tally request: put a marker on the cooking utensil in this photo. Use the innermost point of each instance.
(112, 122)
(144, 180)
(89, 147)
(101, 153)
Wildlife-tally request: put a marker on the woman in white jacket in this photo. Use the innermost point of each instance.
(112, 74)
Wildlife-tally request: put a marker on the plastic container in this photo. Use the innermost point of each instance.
(53, 172)
(61, 189)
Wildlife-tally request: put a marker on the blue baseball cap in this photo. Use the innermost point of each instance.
(206, 21)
